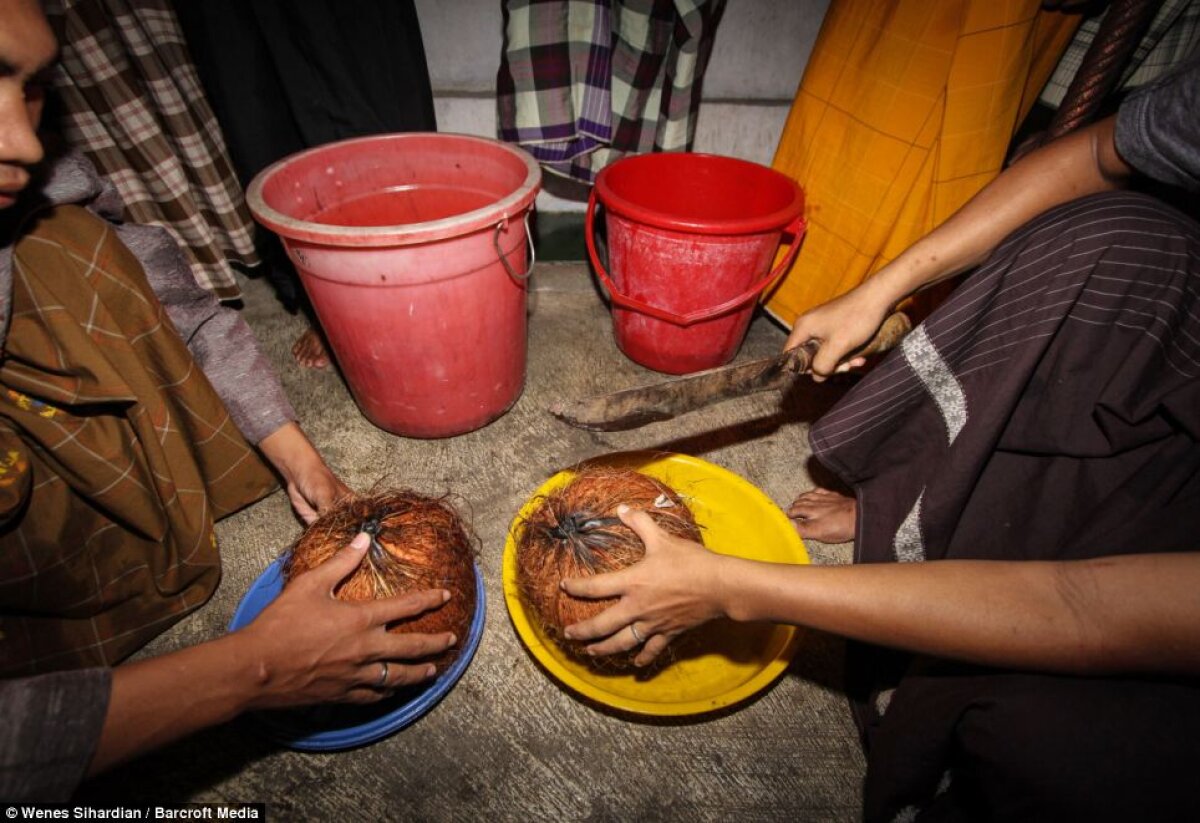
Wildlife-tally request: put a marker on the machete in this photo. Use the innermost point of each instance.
(632, 408)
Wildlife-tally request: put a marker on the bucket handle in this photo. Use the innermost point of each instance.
(520, 278)
(796, 229)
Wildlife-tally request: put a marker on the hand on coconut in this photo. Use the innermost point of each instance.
(311, 647)
(675, 587)
(306, 647)
(314, 492)
(311, 485)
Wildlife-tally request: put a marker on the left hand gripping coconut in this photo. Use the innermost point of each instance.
(417, 543)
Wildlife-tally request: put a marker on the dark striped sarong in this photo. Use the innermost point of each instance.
(116, 456)
(1049, 410)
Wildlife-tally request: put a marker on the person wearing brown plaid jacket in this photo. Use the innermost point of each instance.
(129, 400)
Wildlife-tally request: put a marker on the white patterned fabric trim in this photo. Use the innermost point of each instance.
(939, 381)
(908, 544)
(883, 700)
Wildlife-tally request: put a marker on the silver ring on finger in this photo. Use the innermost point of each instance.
(636, 634)
(383, 674)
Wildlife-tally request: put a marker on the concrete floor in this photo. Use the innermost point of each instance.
(508, 743)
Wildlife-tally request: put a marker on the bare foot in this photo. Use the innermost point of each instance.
(824, 515)
(309, 350)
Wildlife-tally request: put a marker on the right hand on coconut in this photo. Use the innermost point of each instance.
(309, 647)
(671, 590)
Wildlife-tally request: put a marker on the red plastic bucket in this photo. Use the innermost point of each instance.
(412, 248)
(691, 239)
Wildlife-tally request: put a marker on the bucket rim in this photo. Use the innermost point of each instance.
(773, 221)
(287, 227)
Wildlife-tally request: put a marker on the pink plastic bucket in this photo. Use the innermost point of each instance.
(412, 249)
(691, 239)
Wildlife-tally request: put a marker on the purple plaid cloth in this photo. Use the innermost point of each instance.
(583, 82)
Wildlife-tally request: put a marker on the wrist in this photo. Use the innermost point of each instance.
(726, 599)
(891, 285)
(250, 673)
(291, 453)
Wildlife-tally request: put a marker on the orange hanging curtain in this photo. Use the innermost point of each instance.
(905, 110)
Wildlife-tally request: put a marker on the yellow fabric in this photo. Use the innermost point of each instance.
(905, 111)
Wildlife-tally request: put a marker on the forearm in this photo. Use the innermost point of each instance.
(226, 350)
(290, 451)
(156, 701)
(1082, 163)
(1129, 613)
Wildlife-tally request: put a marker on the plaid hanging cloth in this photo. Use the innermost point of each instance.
(1174, 34)
(131, 100)
(583, 83)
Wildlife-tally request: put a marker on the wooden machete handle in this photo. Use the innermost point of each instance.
(890, 333)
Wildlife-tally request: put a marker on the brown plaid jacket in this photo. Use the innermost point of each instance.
(116, 456)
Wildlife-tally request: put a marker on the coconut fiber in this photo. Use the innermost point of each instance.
(574, 531)
(417, 543)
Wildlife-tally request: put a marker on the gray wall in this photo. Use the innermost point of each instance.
(758, 57)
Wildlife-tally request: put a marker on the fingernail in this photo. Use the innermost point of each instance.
(567, 633)
(452, 640)
(430, 670)
(360, 541)
(445, 595)
(622, 509)
(562, 584)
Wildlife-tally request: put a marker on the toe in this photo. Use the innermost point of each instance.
(309, 351)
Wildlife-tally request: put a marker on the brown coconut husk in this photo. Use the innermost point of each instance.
(574, 532)
(418, 543)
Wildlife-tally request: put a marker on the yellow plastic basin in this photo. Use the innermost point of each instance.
(715, 666)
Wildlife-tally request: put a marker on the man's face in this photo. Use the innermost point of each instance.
(27, 49)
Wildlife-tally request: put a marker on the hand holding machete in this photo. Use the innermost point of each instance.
(632, 408)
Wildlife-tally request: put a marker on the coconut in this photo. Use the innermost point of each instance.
(574, 531)
(417, 543)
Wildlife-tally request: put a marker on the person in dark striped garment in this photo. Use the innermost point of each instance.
(1024, 608)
